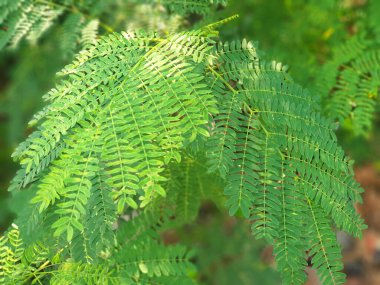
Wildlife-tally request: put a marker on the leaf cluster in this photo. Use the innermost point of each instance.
(135, 125)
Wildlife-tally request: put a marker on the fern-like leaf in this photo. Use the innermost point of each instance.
(349, 84)
(127, 127)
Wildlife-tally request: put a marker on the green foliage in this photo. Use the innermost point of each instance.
(30, 19)
(143, 127)
(188, 184)
(136, 258)
(350, 81)
(198, 6)
(225, 252)
(141, 123)
(331, 46)
(296, 32)
(350, 84)
(19, 263)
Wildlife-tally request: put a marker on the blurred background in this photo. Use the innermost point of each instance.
(299, 33)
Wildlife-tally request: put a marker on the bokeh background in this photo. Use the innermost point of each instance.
(298, 33)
